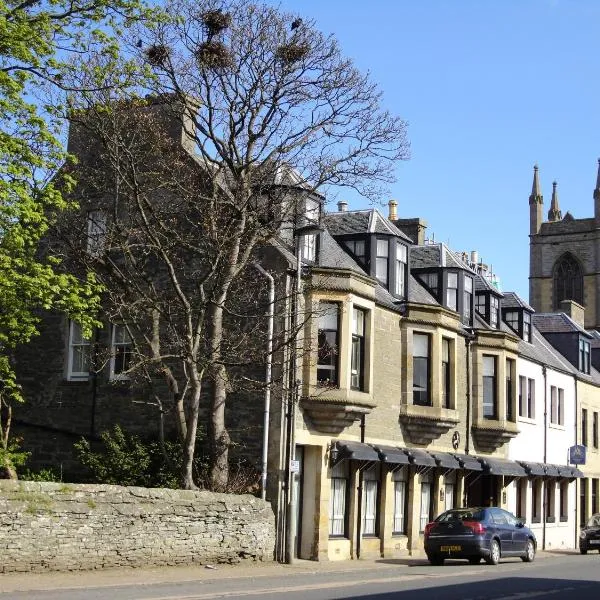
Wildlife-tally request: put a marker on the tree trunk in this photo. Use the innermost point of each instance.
(219, 439)
(189, 447)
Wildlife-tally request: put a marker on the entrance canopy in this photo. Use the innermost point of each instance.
(501, 466)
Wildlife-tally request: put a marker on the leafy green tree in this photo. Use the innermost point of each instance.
(37, 37)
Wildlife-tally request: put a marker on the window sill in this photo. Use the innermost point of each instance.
(557, 426)
(550, 519)
(536, 520)
(398, 534)
(564, 519)
(77, 379)
(338, 537)
(527, 420)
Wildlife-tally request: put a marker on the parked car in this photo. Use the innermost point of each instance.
(474, 533)
(589, 536)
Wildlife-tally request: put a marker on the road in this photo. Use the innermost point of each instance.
(559, 577)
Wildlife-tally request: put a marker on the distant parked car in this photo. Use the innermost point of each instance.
(589, 536)
(474, 533)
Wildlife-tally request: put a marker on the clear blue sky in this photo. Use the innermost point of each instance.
(489, 88)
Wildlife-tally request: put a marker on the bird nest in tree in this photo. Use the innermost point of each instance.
(157, 55)
(292, 52)
(215, 21)
(214, 55)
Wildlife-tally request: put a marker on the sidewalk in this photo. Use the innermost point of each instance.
(55, 580)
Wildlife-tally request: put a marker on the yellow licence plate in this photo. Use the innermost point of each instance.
(450, 548)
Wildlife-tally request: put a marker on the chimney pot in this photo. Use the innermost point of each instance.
(474, 258)
(342, 206)
(393, 216)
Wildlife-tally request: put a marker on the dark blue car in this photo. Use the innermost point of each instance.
(475, 533)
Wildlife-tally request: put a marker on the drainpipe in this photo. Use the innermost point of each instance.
(268, 379)
(577, 482)
(468, 394)
(360, 492)
(544, 490)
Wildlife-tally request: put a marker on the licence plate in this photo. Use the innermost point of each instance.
(450, 548)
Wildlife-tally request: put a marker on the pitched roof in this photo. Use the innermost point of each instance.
(361, 221)
(540, 350)
(557, 323)
(436, 255)
(512, 300)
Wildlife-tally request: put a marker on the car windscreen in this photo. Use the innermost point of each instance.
(461, 515)
(594, 521)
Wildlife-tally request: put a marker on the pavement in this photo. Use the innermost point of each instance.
(56, 580)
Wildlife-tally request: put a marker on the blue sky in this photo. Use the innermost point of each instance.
(489, 88)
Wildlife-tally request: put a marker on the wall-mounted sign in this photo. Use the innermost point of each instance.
(577, 455)
(294, 466)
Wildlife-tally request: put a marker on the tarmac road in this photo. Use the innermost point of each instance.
(560, 576)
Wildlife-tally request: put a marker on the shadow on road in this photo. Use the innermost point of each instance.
(505, 588)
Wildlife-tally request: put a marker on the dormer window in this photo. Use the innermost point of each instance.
(468, 300)
(584, 356)
(401, 270)
(431, 281)
(357, 247)
(381, 261)
(488, 306)
(519, 321)
(452, 291)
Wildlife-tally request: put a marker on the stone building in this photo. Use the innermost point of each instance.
(414, 392)
(564, 259)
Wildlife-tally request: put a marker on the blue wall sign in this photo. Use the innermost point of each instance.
(577, 455)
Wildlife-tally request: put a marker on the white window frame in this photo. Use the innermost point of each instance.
(114, 344)
(400, 487)
(370, 501)
(338, 500)
(425, 508)
(77, 344)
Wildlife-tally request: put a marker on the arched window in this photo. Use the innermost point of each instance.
(568, 281)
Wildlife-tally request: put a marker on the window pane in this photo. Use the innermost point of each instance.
(425, 505)
(468, 284)
(489, 387)
(401, 252)
(399, 504)
(452, 280)
(328, 316)
(381, 268)
(369, 507)
(358, 321)
(328, 350)
(420, 345)
(382, 248)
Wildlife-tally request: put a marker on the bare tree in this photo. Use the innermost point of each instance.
(273, 113)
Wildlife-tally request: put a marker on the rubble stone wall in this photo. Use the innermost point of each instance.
(54, 526)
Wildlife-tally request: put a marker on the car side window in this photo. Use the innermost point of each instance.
(499, 516)
(511, 519)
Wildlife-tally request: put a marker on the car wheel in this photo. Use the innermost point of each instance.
(494, 557)
(529, 552)
(474, 560)
(436, 560)
(582, 550)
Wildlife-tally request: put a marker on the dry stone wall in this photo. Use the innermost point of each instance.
(53, 526)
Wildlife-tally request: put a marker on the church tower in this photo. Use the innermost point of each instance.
(564, 256)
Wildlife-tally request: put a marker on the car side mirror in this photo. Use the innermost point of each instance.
(520, 524)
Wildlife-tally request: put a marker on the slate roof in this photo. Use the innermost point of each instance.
(557, 323)
(512, 300)
(436, 255)
(350, 222)
(567, 225)
(540, 350)
(332, 256)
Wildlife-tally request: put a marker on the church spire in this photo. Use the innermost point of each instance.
(554, 213)
(536, 203)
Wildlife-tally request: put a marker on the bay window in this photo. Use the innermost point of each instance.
(357, 367)
(490, 400)
(421, 369)
(328, 343)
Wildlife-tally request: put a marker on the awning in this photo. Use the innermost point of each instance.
(356, 451)
(575, 472)
(392, 455)
(553, 471)
(534, 469)
(445, 460)
(500, 466)
(420, 458)
(468, 462)
(569, 472)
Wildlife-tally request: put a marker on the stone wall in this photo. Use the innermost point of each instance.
(53, 526)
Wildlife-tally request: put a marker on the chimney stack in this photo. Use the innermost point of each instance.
(342, 206)
(393, 216)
